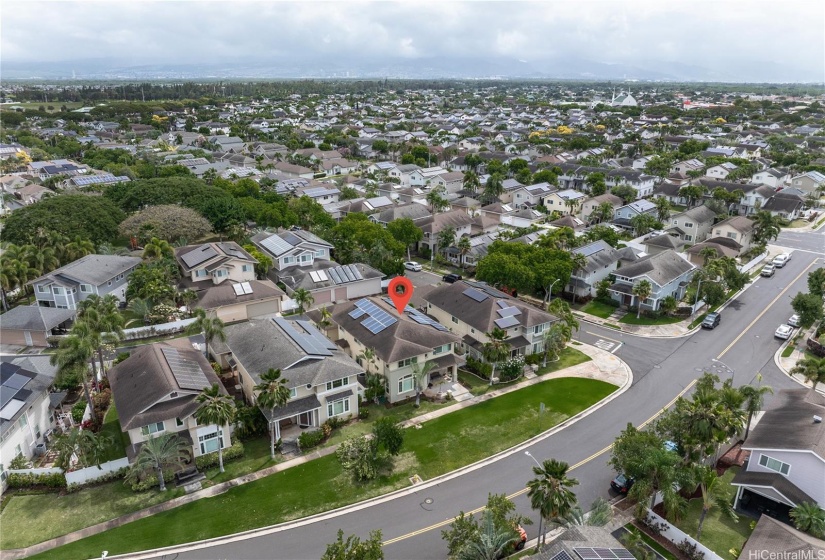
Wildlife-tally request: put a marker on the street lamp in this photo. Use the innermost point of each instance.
(726, 366)
(541, 517)
(549, 293)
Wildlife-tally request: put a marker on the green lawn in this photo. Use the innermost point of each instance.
(120, 440)
(788, 350)
(719, 533)
(479, 386)
(398, 413)
(599, 309)
(27, 520)
(630, 319)
(569, 357)
(440, 446)
(256, 456)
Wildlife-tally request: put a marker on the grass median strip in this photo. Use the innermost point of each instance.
(438, 447)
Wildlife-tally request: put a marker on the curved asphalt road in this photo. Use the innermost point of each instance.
(411, 524)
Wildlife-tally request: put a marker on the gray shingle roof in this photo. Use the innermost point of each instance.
(789, 423)
(781, 541)
(224, 294)
(34, 318)
(661, 268)
(92, 269)
(772, 480)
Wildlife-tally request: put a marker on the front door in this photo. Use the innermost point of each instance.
(305, 420)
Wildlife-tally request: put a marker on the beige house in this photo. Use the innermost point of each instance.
(589, 206)
(738, 228)
(233, 302)
(155, 391)
(693, 225)
(213, 263)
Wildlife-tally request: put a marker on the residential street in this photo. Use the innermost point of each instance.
(662, 368)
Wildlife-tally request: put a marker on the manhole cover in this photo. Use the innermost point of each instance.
(428, 501)
(425, 505)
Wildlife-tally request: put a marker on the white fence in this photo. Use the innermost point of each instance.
(753, 263)
(93, 473)
(677, 536)
(53, 470)
(155, 330)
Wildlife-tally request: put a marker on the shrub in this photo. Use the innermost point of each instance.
(533, 359)
(511, 369)
(690, 550)
(482, 369)
(32, 480)
(77, 411)
(308, 440)
(359, 456)
(363, 413)
(335, 422)
(120, 357)
(249, 422)
(388, 435)
(149, 481)
(19, 462)
(234, 451)
(108, 477)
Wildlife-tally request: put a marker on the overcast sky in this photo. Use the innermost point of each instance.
(716, 34)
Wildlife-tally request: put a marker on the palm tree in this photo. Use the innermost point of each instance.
(493, 189)
(812, 369)
(326, 316)
(105, 322)
(141, 307)
(561, 309)
(419, 375)
(464, 246)
(601, 513)
(272, 393)
(754, 399)
(579, 263)
(303, 298)
(211, 327)
(550, 493)
(218, 408)
(602, 212)
(810, 518)
(109, 249)
(765, 228)
(490, 543)
(496, 349)
(708, 254)
(471, 182)
(161, 452)
(74, 353)
(714, 493)
(641, 290)
(78, 248)
(636, 545)
(158, 249)
(368, 356)
(663, 208)
(87, 446)
(555, 340)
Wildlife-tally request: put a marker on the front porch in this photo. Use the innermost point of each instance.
(294, 417)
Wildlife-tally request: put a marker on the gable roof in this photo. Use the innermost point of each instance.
(403, 339)
(739, 223)
(285, 242)
(482, 315)
(661, 268)
(789, 423)
(780, 541)
(193, 256)
(142, 384)
(35, 318)
(91, 269)
(698, 213)
(599, 254)
(224, 294)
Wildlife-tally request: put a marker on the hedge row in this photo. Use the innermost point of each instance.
(32, 480)
(234, 451)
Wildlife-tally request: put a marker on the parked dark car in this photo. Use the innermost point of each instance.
(622, 484)
(451, 278)
(711, 321)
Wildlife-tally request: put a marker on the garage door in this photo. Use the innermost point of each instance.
(264, 308)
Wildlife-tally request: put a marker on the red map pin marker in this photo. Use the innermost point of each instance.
(400, 291)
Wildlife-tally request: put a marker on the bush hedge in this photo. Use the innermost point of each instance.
(32, 480)
(482, 369)
(234, 451)
(308, 440)
(150, 481)
(77, 411)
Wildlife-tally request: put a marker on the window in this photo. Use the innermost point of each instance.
(220, 273)
(247, 268)
(201, 273)
(538, 329)
(18, 450)
(42, 288)
(24, 421)
(293, 392)
(210, 442)
(109, 283)
(405, 384)
(178, 422)
(440, 349)
(688, 238)
(152, 428)
(407, 362)
(774, 464)
(731, 235)
(306, 258)
(85, 288)
(58, 291)
(288, 260)
(688, 224)
(319, 253)
(337, 383)
(454, 320)
(3, 474)
(335, 408)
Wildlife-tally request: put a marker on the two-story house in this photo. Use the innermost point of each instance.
(459, 220)
(682, 168)
(292, 248)
(721, 171)
(771, 177)
(473, 309)
(93, 274)
(155, 391)
(532, 195)
(809, 181)
(322, 379)
(589, 206)
(25, 416)
(565, 202)
(738, 228)
(627, 212)
(667, 273)
(642, 182)
(329, 282)
(402, 343)
(693, 225)
(787, 456)
(602, 261)
(210, 264)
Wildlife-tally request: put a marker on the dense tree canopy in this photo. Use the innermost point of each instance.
(168, 222)
(90, 217)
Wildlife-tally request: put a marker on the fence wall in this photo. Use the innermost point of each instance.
(92, 473)
(753, 263)
(676, 536)
(155, 330)
(52, 470)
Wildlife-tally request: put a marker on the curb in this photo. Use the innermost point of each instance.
(261, 531)
(777, 360)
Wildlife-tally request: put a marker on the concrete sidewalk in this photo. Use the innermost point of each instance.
(603, 366)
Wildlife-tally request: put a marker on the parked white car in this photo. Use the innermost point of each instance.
(784, 332)
(414, 266)
(794, 320)
(781, 260)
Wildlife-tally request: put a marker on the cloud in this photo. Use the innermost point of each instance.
(718, 34)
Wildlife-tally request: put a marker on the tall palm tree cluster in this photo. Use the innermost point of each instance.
(19, 264)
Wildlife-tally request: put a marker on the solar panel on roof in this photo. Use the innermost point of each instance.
(562, 555)
(587, 553)
(307, 340)
(475, 294)
(247, 287)
(506, 322)
(238, 289)
(378, 318)
(275, 245)
(335, 276)
(187, 372)
(356, 313)
(291, 238)
(346, 271)
(502, 303)
(197, 256)
(509, 311)
(322, 276)
(423, 319)
(355, 272)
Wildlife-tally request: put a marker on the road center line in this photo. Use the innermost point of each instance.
(524, 490)
(752, 323)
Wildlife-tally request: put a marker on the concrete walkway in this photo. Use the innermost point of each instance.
(603, 366)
